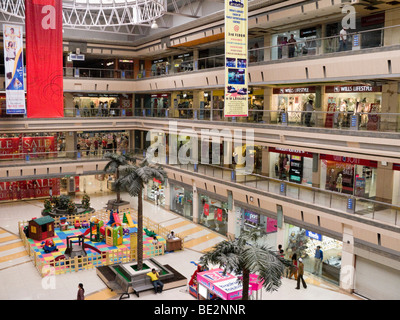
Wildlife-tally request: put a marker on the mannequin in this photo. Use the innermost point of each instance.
(342, 109)
(339, 181)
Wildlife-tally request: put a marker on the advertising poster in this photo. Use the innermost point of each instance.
(44, 58)
(25, 189)
(17, 147)
(236, 61)
(14, 69)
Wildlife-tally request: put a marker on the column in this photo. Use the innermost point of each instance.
(347, 270)
(195, 204)
(389, 104)
(384, 182)
(316, 171)
(265, 161)
(197, 98)
(167, 195)
(231, 222)
(195, 60)
(70, 144)
(268, 116)
(131, 140)
(69, 107)
(391, 35)
(267, 51)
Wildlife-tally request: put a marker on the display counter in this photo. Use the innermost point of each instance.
(174, 244)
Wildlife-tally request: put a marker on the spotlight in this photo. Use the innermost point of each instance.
(154, 25)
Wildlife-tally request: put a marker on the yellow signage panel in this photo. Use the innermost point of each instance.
(236, 62)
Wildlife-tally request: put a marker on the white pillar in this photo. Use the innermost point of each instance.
(347, 270)
(195, 204)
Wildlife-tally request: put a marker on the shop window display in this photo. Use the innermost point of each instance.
(344, 101)
(291, 165)
(349, 175)
(156, 188)
(181, 201)
(305, 242)
(291, 101)
(98, 143)
(214, 214)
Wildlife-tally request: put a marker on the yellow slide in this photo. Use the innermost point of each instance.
(130, 222)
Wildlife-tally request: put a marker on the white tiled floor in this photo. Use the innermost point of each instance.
(20, 280)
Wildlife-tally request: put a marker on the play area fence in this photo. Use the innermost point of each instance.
(93, 260)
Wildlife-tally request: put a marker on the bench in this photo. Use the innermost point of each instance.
(141, 283)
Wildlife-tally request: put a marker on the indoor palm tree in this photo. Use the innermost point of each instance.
(249, 253)
(133, 179)
(116, 161)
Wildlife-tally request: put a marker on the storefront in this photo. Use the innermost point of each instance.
(250, 220)
(152, 187)
(349, 175)
(159, 105)
(160, 67)
(213, 213)
(97, 143)
(102, 105)
(181, 200)
(304, 242)
(183, 62)
(218, 104)
(396, 184)
(343, 101)
(291, 100)
(305, 43)
(291, 165)
(256, 105)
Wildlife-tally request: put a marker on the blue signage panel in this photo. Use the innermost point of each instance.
(313, 235)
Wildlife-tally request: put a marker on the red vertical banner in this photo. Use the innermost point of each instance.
(44, 58)
(206, 209)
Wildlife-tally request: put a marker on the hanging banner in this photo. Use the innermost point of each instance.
(14, 69)
(236, 83)
(44, 58)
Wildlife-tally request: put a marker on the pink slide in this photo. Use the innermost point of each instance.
(117, 220)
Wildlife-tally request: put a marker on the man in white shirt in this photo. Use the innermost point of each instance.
(343, 39)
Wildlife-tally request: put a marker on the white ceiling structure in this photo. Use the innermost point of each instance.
(123, 17)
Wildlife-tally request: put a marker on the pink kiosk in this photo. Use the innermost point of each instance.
(213, 284)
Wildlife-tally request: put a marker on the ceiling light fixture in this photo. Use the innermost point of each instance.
(154, 25)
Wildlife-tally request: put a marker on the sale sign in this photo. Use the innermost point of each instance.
(44, 58)
(39, 146)
(9, 148)
(27, 189)
(206, 209)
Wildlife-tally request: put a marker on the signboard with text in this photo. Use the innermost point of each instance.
(236, 62)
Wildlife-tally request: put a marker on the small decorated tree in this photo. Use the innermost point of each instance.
(86, 201)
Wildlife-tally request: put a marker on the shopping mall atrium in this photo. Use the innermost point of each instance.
(296, 139)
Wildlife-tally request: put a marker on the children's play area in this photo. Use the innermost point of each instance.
(81, 242)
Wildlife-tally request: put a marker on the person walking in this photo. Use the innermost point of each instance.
(155, 280)
(81, 292)
(318, 257)
(300, 275)
(293, 269)
(309, 110)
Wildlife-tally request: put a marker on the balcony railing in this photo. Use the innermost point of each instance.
(322, 46)
(345, 203)
(372, 121)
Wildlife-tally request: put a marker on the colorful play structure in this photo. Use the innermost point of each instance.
(103, 238)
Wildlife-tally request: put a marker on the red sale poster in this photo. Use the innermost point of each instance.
(219, 214)
(26, 189)
(44, 58)
(9, 148)
(39, 146)
(206, 209)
